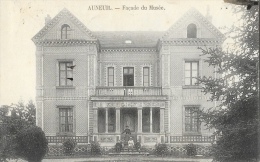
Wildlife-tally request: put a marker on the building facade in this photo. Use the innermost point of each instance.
(91, 85)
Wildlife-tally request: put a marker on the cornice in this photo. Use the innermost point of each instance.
(192, 41)
(59, 42)
(129, 50)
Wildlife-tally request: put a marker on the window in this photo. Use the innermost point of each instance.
(146, 76)
(192, 31)
(128, 76)
(65, 31)
(66, 73)
(101, 120)
(110, 76)
(66, 120)
(156, 120)
(111, 120)
(191, 72)
(146, 119)
(191, 120)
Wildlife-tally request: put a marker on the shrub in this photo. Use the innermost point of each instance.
(191, 149)
(69, 145)
(32, 144)
(161, 149)
(95, 148)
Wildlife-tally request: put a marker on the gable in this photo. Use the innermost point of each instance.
(52, 30)
(205, 29)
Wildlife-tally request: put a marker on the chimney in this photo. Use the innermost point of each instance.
(47, 19)
(208, 16)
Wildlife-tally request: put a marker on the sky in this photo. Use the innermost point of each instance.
(20, 20)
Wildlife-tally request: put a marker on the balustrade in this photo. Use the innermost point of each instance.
(128, 91)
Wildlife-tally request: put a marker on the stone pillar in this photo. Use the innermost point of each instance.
(106, 120)
(95, 120)
(140, 117)
(161, 119)
(151, 120)
(117, 120)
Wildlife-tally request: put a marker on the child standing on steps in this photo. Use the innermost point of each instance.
(131, 144)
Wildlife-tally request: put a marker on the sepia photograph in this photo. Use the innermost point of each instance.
(120, 80)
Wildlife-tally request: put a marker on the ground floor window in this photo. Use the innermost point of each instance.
(111, 120)
(65, 120)
(192, 124)
(101, 120)
(146, 119)
(156, 120)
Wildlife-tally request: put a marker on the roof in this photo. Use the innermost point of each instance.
(137, 39)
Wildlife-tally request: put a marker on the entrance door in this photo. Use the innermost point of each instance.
(129, 118)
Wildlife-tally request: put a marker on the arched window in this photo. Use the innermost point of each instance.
(192, 31)
(65, 31)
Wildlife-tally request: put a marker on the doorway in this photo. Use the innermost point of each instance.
(129, 118)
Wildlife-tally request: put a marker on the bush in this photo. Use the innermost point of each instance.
(161, 149)
(191, 149)
(95, 148)
(32, 144)
(69, 145)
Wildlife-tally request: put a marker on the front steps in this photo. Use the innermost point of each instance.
(125, 151)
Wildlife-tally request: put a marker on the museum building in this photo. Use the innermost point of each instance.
(92, 84)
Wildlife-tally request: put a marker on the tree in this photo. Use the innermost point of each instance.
(235, 118)
(32, 144)
(17, 126)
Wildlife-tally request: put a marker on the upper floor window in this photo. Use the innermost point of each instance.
(192, 124)
(110, 76)
(192, 31)
(191, 72)
(146, 76)
(65, 31)
(66, 120)
(66, 73)
(128, 76)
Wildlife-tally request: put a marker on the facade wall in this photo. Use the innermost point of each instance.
(138, 60)
(53, 95)
(181, 95)
(166, 61)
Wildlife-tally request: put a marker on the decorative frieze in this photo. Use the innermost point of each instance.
(128, 104)
(61, 50)
(106, 139)
(148, 139)
(192, 42)
(58, 42)
(130, 50)
(129, 98)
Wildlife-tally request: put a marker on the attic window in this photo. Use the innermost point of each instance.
(192, 31)
(128, 42)
(65, 31)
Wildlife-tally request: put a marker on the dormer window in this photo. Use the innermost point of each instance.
(192, 31)
(65, 31)
(128, 42)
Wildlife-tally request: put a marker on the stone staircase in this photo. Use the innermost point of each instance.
(126, 151)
